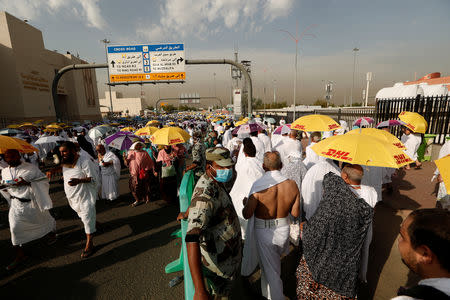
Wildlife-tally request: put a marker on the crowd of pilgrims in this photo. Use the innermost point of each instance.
(255, 194)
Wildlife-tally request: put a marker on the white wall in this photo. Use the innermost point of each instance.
(135, 106)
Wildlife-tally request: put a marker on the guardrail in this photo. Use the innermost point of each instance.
(182, 264)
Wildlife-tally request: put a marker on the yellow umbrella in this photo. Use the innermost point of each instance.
(382, 134)
(13, 126)
(239, 123)
(443, 164)
(152, 122)
(170, 136)
(315, 123)
(38, 121)
(148, 130)
(362, 149)
(53, 127)
(130, 129)
(27, 125)
(7, 142)
(414, 121)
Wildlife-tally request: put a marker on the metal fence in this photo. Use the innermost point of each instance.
(348, 114)
(435, 110)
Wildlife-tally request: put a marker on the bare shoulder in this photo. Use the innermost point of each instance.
(290, 184)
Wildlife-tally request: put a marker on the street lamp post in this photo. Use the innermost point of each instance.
(353, 80)
(296, 39)
(274, 91)
(106, 41)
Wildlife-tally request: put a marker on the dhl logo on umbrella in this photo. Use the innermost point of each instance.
(338, 154)
(398, 145)
(401, 159)
(410, 126)
(176, 141)
(333, 126)
(299, 126)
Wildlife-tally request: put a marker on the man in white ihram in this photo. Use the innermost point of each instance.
(312, 189)
(311, 157)
(80, 185)
(26, 189)
(110, 173)
(289, 145)
(271, 199)
(248, 172)
(262, 136)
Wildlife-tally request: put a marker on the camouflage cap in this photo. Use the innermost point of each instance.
(220, 156)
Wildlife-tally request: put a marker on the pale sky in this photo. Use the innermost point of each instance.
(397, 39)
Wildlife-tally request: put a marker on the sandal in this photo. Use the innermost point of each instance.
(137, 203)
(86, 254)
(15, 264)
(51, 239)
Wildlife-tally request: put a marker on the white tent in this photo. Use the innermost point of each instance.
(434, 90)
(400, 91)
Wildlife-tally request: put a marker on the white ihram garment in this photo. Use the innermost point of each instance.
(233, 144)
(266, 142)
(226, 137)
(373, 176)
(110, 176)
(83, 196)
(311, 157)
(259, 147)
(312, 189)
(442, 284)
(412, 143)
(266, 241)
(287, 147)
(369, 195)
(272, 241)
(31, 220)
(247, 173)
(442, 196)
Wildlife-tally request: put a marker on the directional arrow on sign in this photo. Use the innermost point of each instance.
(113, 63)
(179, 60)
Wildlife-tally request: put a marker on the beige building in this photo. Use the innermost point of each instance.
(122, 106)
(27, 74)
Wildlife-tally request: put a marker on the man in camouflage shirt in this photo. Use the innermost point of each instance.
(213, 238)
(198, 156)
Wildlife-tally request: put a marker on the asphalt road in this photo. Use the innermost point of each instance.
(135, 245)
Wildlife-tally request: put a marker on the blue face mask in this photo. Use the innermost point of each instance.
(224, 175)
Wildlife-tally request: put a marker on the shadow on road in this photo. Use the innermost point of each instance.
(69, 277)
(385, 223)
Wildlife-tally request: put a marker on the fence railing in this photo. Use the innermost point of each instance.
(348, 114)
(435, 110)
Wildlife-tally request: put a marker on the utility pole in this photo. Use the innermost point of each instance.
(368, 78)
(353, 81)
(274, 91)
(106, 41)
(296, 39)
